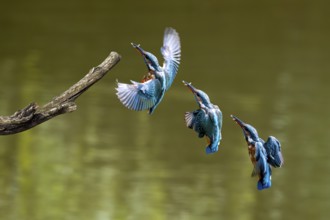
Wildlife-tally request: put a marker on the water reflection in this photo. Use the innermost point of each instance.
(264, 62)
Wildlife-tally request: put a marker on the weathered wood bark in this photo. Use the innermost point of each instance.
(33, 115)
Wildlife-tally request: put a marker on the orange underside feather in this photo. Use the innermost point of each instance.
(252, 151)
(208, 140)
(147, 77)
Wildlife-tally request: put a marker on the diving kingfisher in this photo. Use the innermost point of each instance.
(262, 154)
(206, 121)
(147, 95)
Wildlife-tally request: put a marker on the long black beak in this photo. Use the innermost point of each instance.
(137, 46)
(192, 89)
(243, 126)
(142, 52)
(238, 121)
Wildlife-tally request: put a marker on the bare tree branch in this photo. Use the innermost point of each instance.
(32, 115)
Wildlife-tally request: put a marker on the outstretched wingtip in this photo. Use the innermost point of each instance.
(170, 30)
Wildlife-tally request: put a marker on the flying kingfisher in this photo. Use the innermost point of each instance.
(206, 121)
(147, 95)
(262, 154)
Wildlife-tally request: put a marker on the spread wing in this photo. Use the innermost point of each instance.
(139, 96)
(194, 121)
(171, 51)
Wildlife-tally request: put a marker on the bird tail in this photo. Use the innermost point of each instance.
(264, 184)
(265, 181)
(213, 146)
(152, 109)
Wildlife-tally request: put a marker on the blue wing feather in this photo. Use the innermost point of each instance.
(194, 121)
(139, 96)
(171, 51)
(273, 149)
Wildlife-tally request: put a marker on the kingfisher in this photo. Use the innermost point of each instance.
(262, 154)
(206, 121)
(147, 94)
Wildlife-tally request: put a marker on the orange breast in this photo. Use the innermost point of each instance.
(148, 77)
(252, 151)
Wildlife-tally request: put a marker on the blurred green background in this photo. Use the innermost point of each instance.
(266, 62)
